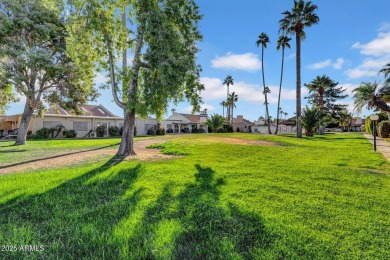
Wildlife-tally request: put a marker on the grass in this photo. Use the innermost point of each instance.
(323, 197)
(37, 149)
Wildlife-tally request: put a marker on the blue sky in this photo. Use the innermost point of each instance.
(350, 44)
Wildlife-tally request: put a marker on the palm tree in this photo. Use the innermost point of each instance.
(233, 98)
(216, 122)
(173, 110)
(372, 96)
(386, 73)
(285, 115)
(263, 40)
(281, 114)
(311, 118)
(302, 15)
(228, 81)
(223, 104)
(283, 42)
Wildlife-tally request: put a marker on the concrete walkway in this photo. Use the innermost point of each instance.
(381, 146)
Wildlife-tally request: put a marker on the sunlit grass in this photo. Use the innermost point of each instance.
(318, 198)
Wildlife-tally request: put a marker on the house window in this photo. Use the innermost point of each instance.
(169, 126)
(50, 124)
(80, 126)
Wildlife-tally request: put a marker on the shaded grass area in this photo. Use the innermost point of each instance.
(324, 197)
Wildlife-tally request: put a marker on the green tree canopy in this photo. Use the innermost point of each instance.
(161, 38)
(34, 60)
(324, 93)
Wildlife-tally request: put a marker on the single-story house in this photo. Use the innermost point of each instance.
(93, 116)
(182, 123)
(242, 124)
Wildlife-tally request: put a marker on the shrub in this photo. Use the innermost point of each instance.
(383, 129)
(311, 119)
(42, 133)
(238, 129)
(100, 130)
(69, 133)
(151, 131)
(170, 131)
(185, 130)
(113, 130)
(222, 130)
(368, 125)
(160, 131)
(229, 129)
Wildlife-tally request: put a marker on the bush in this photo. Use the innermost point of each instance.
(42, 133)
(100, 130)
(69, 133)
(368, 125)
(238, 129)
(114, 130)
(170, 131)
(160, 131)
(383, 129)
(185, 130)
(151, 131)
(229, 129)
(222, 130)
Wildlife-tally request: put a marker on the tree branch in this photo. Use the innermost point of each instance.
(112, 72)
(144, 65)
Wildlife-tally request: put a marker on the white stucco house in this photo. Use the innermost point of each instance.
(182, 123)
(92, 117)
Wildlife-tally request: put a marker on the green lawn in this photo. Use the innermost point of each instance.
(315, 198)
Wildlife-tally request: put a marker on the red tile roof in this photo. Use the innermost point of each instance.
(192, 118)
(88, 110)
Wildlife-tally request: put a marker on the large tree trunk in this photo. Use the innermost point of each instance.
(280, 90)
(298, 96)
(126, 147)
(24, 123)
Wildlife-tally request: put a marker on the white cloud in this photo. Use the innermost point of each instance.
(339, 64)
(291, 56)
(326, 63)
(245, 91)
(384, 27)
(368, 68)
(378, 51)
(320, 65)
(377, 47)
(246, 61)
(349, 88)
(100, 79)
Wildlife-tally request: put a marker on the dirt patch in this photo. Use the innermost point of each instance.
(76, 157)
(240, 141)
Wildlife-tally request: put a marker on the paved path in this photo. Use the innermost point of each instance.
(381, 146)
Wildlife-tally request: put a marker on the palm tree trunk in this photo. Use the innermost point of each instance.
(280, 90)
(227, 98)
(265, 92)
(24, 123)
(298, 96)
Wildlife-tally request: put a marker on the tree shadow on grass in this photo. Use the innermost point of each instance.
(197, 225)
(73, 220)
